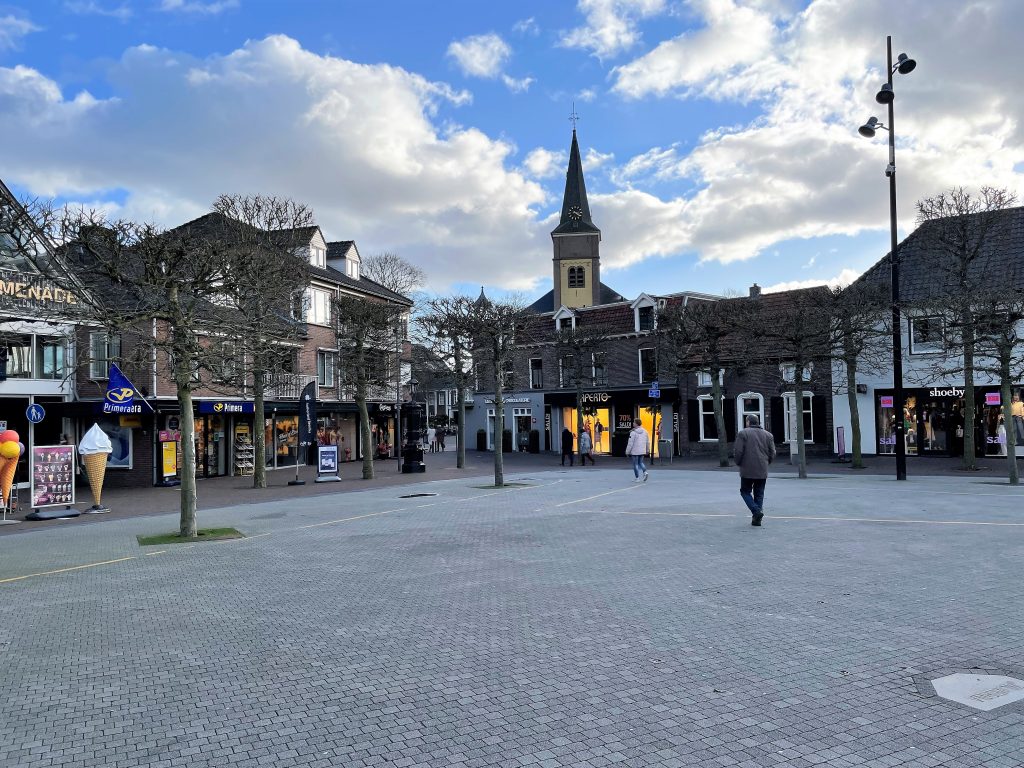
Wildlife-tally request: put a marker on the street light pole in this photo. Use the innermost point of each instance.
(886, 95)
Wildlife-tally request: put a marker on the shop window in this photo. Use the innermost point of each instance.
(749, 404)
(49, 358)
(708, 425)
(600, 371)
(120, 442)
(567, 371)
(789, 372)
(577, 277)
(704, 377)
(104, 349)
(326, 362)
(926, 335)
(791, 416)
(648, 364)
(536, 373)
(319, 307)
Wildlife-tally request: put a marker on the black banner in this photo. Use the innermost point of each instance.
(307, 416)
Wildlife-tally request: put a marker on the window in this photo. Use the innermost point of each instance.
(749, 404)
(704, 377)
(326, 362)
(789, 372)
(600, 372)
(19, 357)
(227, 361)
(536, 373)
(567, 372)
(319, 307)
(318, 257)
(577, 277)
(790, 401)
(507, 373)
(926, 335)
(645, 318)
(104, 349)
(648, 365)
(49, 358)
(560, 318)
(708, 426)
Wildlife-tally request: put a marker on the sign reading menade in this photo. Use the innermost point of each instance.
(24, 290)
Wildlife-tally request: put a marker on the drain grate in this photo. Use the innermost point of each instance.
(416, 495)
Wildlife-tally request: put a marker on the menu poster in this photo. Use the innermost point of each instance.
(53, 475)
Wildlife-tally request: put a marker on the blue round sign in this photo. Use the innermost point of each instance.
(35, 413)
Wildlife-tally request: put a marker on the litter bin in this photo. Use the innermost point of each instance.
(665, 449)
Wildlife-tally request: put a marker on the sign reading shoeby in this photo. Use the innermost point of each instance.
(120, 396)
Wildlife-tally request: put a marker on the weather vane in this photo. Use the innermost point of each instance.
(573, 117)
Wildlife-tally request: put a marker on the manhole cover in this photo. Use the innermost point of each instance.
(984, 692)
(416, 495)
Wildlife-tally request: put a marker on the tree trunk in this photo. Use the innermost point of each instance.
(1005, 385)
(970, 459)
(499, 425)
(259, 432)
(851, 394)
(187, 527)
(365, 436)
(798, 405)
(716, 404)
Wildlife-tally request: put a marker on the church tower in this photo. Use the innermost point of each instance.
(577, 242)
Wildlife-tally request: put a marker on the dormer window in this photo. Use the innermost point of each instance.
(577, 277)
(318, 257)
(645, 313)
(352, 268)
(565, 318)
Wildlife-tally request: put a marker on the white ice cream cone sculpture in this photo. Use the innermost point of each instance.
(94, 449)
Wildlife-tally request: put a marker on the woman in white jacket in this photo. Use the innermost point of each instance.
(636, 449)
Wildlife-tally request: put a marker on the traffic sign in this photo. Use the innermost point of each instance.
(654, 394)
(35, 413)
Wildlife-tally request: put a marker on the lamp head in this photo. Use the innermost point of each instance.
(868, 129)
(904, 64)
(885, 94)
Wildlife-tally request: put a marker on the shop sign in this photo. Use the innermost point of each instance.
(226, 406)
(625, 421)
(887, 440)
(328, 459)
(885, 401)
(134, 408)
(508, 400)
(168, 436)
(130, 421)
(52, 475)
(169, 456)
(951, 392)
(547, 422)
(20, 289)
(385, 408)
(675, 423)
(595, 397)
(241, 429)
(992, 398)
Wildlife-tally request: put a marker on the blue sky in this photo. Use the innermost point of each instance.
(719, 136)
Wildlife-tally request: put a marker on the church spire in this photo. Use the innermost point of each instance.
(575, 208)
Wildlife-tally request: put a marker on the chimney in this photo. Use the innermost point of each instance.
(755, 291)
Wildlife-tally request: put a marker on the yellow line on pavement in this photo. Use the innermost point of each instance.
(65, 570)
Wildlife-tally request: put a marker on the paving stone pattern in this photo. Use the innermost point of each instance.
(524, 627)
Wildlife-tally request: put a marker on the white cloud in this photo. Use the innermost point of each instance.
(357, 142)
(526, 26)
(12, 30)
(94, 8)
(209, 7)
(592, 159)
(542, 163)
(517, 86)
(587, 95)
(480, 55)
(611, 25)
(844, 278)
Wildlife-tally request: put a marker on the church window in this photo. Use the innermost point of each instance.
(577, 277)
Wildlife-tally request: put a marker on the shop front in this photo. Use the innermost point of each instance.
(224, 438)
(608, 418)
(933, 421)
(523, 413)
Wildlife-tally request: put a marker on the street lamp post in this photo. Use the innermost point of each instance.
(886, 95)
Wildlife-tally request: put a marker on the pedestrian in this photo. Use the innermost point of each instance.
(432, 438)
(754, 451)
(598, 433)
(440, 439)
(636, 449)
(586, 449)
(567, 438)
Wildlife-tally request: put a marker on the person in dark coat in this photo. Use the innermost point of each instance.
(567, 438)
(753, 451)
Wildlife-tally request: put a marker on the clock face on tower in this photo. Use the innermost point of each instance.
(575, 213)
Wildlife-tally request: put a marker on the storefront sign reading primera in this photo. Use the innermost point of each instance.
(28, 290)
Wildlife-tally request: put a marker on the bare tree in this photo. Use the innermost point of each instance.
(366, 332)
(446, 328)
(268, 275)
(580, 347)
(859, 332)
(496, 328)
(957, 231)
(393, 272)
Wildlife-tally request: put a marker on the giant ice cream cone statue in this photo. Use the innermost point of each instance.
(94, 449)
(10, 451)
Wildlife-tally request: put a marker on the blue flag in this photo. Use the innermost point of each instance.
(120, 397)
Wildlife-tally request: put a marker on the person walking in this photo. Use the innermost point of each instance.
(753, 451)
(636, 449)
(432, 438)
(440, 440)
(567, 439)
(586, 449)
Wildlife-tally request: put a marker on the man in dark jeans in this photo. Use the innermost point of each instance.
(567, 438)
(754, 450)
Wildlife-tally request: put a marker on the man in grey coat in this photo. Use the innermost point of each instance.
(754, 451)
